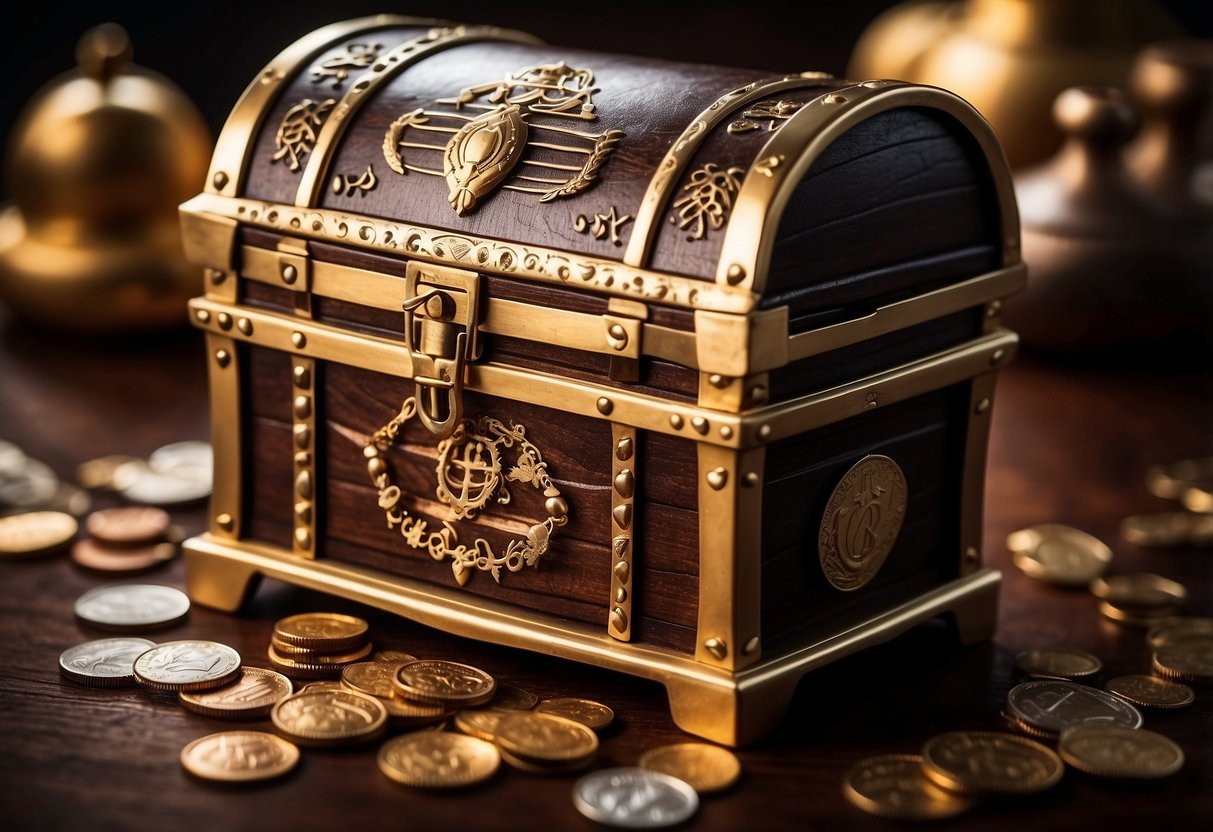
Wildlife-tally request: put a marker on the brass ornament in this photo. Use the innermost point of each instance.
(337, 68)
(468, 478)
(355, 185)
(296, 136)
(861, 522)
(486, 150)
(774, 113)
(602, 225)
(707, 200)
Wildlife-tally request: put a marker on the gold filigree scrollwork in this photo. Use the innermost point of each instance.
(350, 185)
(774, 113)
(602, 225)
(707, 200)
(296, 136)
(355, 56)
(468, 478)
(489, 151)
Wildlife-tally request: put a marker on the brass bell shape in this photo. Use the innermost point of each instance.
(97, 165)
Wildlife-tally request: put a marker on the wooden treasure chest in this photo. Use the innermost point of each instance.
(677, 370)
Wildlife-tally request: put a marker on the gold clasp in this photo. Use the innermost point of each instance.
(441, 313)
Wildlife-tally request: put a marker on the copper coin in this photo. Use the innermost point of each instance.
(92, 555)
(128, 526)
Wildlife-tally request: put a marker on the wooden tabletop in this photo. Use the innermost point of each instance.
(1068, 446)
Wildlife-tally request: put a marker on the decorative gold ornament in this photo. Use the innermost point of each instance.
(355, 56)
(468, 478)
(773, 112)
(485, 150)
(296, 136)
(603, 225)
(349, 185)
(861, 522)
(707, 199)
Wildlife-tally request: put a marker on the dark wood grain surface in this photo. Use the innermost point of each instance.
(1068, 445)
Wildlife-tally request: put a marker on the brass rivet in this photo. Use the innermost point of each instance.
(717, 647)
(619, 619)
(700, 425)
(624, 448)
(225, 320)
(303, 436)
(244, 325)
(617, 336)
(202, 315)
(735, 274)
(303, 485)
(972, 555)
(299, 339)
(758, 393)
(220, 180)
(216, 276)
(750, 646)
(726, 432)
(225, 522)
(718, 478)
(303, 460)
(623, 515)
(997, 356)
(620, 545)
(982, 406)
(750, 479)
(304, 538)
(604, 405)
(223, 358)
(289, 274)
(675, 421)
(833, 98)
(303, 512)
(303, 377)
(621, 595)
(303, 407)
(993, 308)
(764, 431)
(622, 569)
(718, 381)
(625, 484)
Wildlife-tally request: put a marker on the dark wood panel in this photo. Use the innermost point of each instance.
(268, 485)
(670, 471)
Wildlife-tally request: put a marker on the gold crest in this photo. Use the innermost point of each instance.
(861, 522)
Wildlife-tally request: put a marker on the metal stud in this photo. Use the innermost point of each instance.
(224, 320)
(303, 377)
(244, 325)
(223, 358)
(303, 407)
(735, 274)
(718, 478)
(717, 647)
(700, 425)
(289, 274)
(604, 405)
(625, 484)
(225, 522)
(220, 180)
(624, 448)
(676, 421)
(299, 339)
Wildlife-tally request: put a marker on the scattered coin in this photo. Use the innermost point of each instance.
(1016, 724)
(1190, 660)
(104, 663)
(707, 768)
(634, 798)
(371, 678)
(35, 533)
(239, 756)
(127, 560)
(1179, 629)
(132, 607)
(544, 768)
(140, 484)
(253, 694)
(189, 458)
(393, 656)
(987, 762)
(438, 760)
(1059, 554)
(512, 698)
(1151, 692)
(1198, 499)
(1141, 591)
(895, 786)
(98, 474)
(1171, 481)
(1057, 664)
(329, 717)
(31, 485)
(128, 526)
(481, 724)
(12, 459)
(1169, 528)
(189, 665)
(436, 682)
(589, 713)
(545, 739)
(1123, 753)
(328, 631)
(1136, 617)
(1052, 705)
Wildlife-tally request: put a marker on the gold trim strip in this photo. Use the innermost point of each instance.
(223, 376)
(607, 277)
(657, 194)
(973, 477)
(745, 253)
(625, 474)
(306, 480)
(230, 160)
(398, 59)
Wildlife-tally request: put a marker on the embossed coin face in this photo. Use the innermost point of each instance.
(895, 786)
(104, 663)
(1179, 629)
(589, 713)
(1059, 554)
(1053, 705)
(634, 798)
(1151, 692)
(987, 762)
(1190, 660)
(1057, 664)
(239, 756)
(128, 526)
(373, 678)
(132, 607)
(1124, 753)
(481, 724)
(707, 768)
(253, 694)
(861, 522)
(438, 760)
(544, 737)
(35, 533)
(329, 717)
(436, 682)
(327, 631)
(187, 665)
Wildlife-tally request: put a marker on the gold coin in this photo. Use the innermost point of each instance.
(1167, 528)
(545, 738)
(437, 682)
(1151, 692)
(36, 533)
(1017, 724)
(253, 695)
(1137, 617)
(1057, 664)
(99, 473)
(512, 698)
(1172, 480)
(895, 786)
(1124, 753)
(324, 717)
(239, 756)
(393, 657)
(438, 760)
(1142, 591)
(590, 714)
(544, 768)
(1059, 554)
(1199, 500)
(129, 525)
(708, 768)
(1190, 660)
(373, 678)
(481, 724)
(327, 631)
(1179, 629)
(987, 762)
(317, 665)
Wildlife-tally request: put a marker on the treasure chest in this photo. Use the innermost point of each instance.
(678, 370)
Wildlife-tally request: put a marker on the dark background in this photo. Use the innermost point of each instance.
(212, 50)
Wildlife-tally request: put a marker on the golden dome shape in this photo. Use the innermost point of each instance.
(97, 165)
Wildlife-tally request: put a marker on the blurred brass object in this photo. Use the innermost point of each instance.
(96, 167)
(1010, 58)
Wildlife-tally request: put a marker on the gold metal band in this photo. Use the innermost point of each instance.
(973, 476)
(384, 69)
(624, 476)
(745, 252)
(226, 520)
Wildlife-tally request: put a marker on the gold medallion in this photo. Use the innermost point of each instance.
(894, 786)
(707, 768)
(254, 694)
(436, 682)
(1151, 692)
(1122, 753)
(239, 756)
(861, 522)
(987, 762)
(438, 760)
(590, 714)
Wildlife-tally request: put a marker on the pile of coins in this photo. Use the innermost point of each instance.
(26, 484)
(127, 540)
(1140, 600)
(318, 645)
(174, 474)
(1190, 482)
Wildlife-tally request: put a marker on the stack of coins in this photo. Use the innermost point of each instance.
(1140, 600)
(318, 645)
(1190, 481)
(374, 678)
(27, 484)
(174, 474)
(1058, 554)
(128, 540)
(1183, 650)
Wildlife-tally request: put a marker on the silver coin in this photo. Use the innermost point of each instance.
(34, 484)
(1052, 705)
(191, 664)
(104, 663)
(132, 607)
(184, 459)
(634, 798)
(140, 484)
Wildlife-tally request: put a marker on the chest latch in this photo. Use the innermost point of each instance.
(441, 313)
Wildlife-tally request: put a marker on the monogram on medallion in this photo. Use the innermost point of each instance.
(488, 149)
(861, 522)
